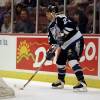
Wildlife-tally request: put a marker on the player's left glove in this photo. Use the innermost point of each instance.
(51, 52)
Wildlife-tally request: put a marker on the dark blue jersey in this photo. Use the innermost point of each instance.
(63, 32)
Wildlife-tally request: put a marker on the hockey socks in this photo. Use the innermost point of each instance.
(78, 72)
(81, 86)
(61, 74)
(61, 79)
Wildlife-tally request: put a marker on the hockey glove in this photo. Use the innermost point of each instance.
(50, 53)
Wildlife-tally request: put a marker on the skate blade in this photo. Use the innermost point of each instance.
(59, 87)
(84, 89)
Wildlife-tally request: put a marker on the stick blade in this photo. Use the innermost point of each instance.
(18, 87)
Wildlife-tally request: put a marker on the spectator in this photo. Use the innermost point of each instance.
(1, 17)
(44, 3)
(8, 6)
(90, 21)
(61, 2)
(4, 10)
(24, 25)
(18, 9)
(82, 21)
(98, 16)
(17, 1)
(30, 4)
(2, 3)
(77, 9)
(6, 27)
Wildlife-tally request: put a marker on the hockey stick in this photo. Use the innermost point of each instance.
(50, 54)
(22, 88)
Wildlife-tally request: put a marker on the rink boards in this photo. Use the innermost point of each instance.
(20, 54)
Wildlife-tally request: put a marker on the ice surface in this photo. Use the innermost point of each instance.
(43, 91)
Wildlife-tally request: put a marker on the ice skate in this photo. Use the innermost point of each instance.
(80, 87)
(58, 84)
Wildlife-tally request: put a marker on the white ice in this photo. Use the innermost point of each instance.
(43, 91)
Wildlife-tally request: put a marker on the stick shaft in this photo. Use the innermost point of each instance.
(33, 75)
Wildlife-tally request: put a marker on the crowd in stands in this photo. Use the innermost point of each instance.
(24, 20)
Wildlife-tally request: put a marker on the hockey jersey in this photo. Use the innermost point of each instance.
(63, 32)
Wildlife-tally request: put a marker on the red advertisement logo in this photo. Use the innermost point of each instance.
(31, 52)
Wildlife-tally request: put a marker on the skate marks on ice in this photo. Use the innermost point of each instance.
(43, 91)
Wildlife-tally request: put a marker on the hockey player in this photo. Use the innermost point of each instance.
(64, 36)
